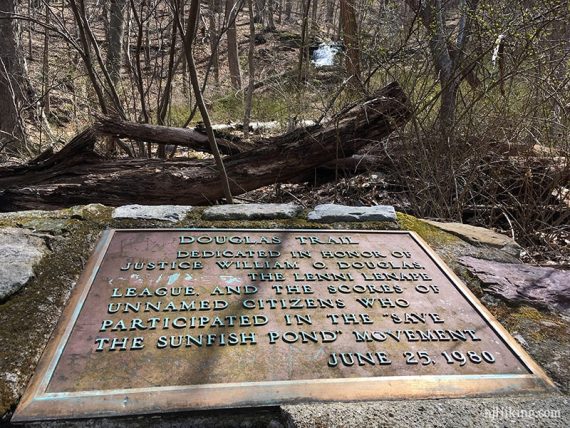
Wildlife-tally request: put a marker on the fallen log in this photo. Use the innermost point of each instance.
(157, 134)
(195, 139)
(81, 176)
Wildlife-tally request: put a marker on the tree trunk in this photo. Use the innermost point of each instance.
(85, 53)
(139, 19)
(189, 40)
(330, 11)
(314, 15)
(449, 88)
(14, 84)
(350, 35)
(233, 54)
(288, 9)
(251, 72)
(280, 12)
(76, 175)
(45, 67)
(270, 25)
(560, 48)
(260, 13)
(164, 102)
(115, 33)
(213, 34)
(304, 49)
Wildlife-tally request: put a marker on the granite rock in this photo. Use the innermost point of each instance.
(328, 213)
(20, 251)
(251, 212)
(172, 213)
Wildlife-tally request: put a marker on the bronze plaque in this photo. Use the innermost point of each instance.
(169, 320)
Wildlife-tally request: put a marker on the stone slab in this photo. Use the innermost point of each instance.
(543, 287)
(172, 213)
(329, 213)
(251, 212)
(171, 320)
(479, 236)
(20, 251)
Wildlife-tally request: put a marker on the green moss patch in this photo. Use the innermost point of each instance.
(431, 234)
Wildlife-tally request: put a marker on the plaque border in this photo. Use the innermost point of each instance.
(37, 405)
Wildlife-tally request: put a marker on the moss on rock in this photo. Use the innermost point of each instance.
(547, 337)
(29, 317)
(431, 234)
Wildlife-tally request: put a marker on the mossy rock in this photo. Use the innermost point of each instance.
(431, 234)
(28, 318)
(547, 337)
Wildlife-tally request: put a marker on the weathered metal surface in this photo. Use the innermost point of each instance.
(167, 320)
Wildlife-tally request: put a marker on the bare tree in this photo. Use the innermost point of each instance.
(330, 11)
(165, 99)
(192, 25)
(14, 84)
(45, 66)
(447, 55)
(350, 32)
(288, 9)
(232, 7)
(136, 69)
(115, 36)
(214, 6)
(251, 71)
(270, 6)
(559, 60)
(314, 15)
(304, 49)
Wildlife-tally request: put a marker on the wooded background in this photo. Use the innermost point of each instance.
(487, 85)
